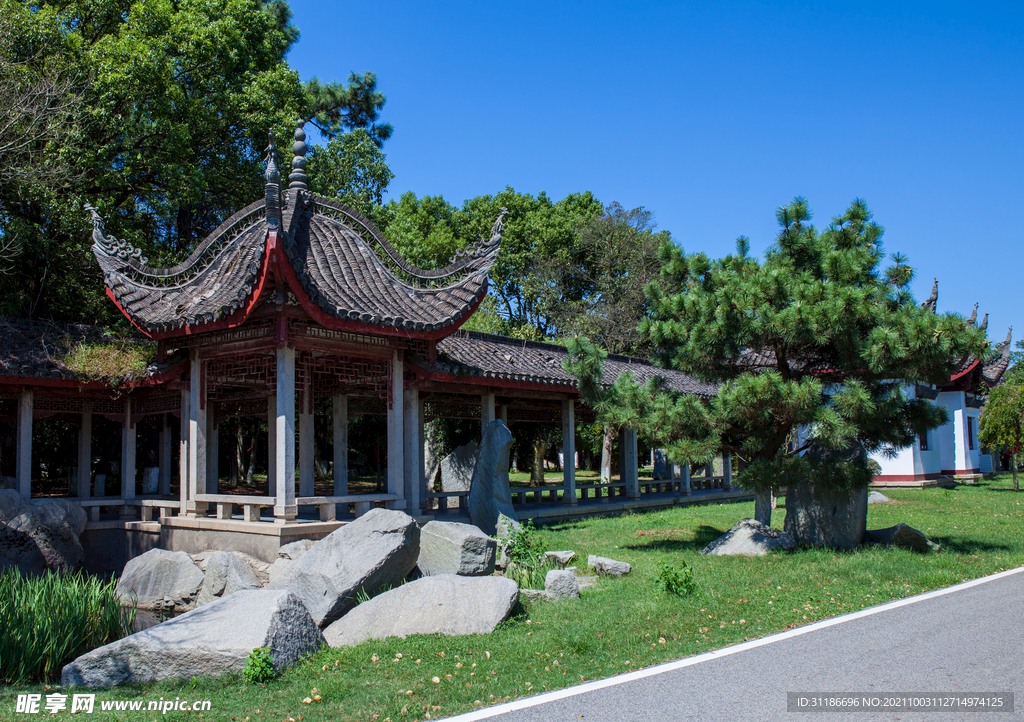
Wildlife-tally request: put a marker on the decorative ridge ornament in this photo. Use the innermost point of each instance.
(110, 245)
(984, 323)
(974, 316)
(297, 178)
(273, 187)
(933, 299)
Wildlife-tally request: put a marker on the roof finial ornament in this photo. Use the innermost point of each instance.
(932, 301)
(97, 220)
(984, 323)
(974, 315)
(273, 187)
(298, 179)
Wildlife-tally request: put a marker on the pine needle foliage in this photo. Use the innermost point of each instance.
(816, 336)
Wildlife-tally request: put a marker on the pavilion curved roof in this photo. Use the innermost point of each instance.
(336, 263)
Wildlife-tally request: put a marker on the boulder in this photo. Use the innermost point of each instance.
(903, 536)
(456, 470)
(378, 549)
(212, 640)
(661, 470)
(534, 595)
(749, 537)
(826, 517)
(609, 567)
(490, 494)
(159, 579)
(287, 554)
(450, 548)
(877, 497)
(445, 604)
(560, 558)
(226, 574)
(561, 584)
(52, 526)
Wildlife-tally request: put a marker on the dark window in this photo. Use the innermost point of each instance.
(970, 433)
(922, 439)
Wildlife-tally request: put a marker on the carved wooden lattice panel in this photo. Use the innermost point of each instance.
(157, 404)
(450, 410)
(252, 370)
(328, 374)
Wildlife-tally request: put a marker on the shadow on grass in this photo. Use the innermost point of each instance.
(701, 538)
(959, 545)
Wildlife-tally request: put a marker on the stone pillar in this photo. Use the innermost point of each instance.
(128, 434)
(284, 438)
(85, 451)
(306, 441)
(165, 454)
(271, 443)
(415, 476)
(396, 434)
(196, 439)
(568, 452)
(629, 472)
(503, 414)
(340, 445)
(183, 454)
(684, 470)
(727, 471)
(486, 413)
(23, 472)
(212, 450)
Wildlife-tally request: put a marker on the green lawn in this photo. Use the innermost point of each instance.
(626, 624)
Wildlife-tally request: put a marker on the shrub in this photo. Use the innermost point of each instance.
(676, 580)
(47, 621)
(527, 564)
(260, 666)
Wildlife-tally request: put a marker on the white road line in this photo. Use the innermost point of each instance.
(526, 702)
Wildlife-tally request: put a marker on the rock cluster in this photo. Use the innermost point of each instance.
(40, 534)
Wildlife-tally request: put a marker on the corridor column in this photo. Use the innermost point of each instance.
(196, 439)
(183, 452)
(284, 438)
(415, 479)
(568, 452)
(23, 473)
(340, 445)
(396, 435)
(629, 472)
(85, 451)
(128, 436)
(306, 441)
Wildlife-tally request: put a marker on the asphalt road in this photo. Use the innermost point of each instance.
(962, 640)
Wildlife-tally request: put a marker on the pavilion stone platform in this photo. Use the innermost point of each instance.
(298, 302)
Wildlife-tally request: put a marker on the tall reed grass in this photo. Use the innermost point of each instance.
(47, 621)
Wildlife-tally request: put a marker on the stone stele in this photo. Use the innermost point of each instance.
(749, 537)
(826, 517)
(161, 578)
(445, 604)
(378, 549)
(490, 494)
(212, 640)
(448, 547)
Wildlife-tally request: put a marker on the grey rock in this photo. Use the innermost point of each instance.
(533, 595)
(903, 536)
(503, 530)
(159, 576)
(446, 604)
(749, 537)
(52, 526)
(378, 549)
(561, 584)
(826, 517)
(456, 470)
(490, 494)
(877, 497)
(450, 548)
(586, 582)
(212, 640)
(609, 567)
(226, 574)
(561, 558)
(295, 549)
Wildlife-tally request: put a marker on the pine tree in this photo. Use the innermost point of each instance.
(813, 347)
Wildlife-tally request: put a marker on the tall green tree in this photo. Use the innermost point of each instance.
(1002, 420)
(817, 337)
(177, 98)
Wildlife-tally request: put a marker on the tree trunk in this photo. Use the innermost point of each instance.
(540, 449)
(607, 446)
(1013, 463)
(763, 506)
(775, 498)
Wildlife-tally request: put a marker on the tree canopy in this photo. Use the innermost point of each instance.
(816, 337)
(1002, 417)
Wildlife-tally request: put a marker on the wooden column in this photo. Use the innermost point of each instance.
(340, 445)
(183, 454)
(23, 460)
(568, 452)
(486, 412)
(306, 442)
(629, 472)
(165, 454)
(396, 434)
(128, 438)
(415, 476)
(196, 439)
(284, 438)
(212, 450)
(85, 451)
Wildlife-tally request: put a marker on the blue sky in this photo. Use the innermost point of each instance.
(711, 115)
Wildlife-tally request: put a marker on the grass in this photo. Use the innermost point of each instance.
(629, 623)
(114, 361)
